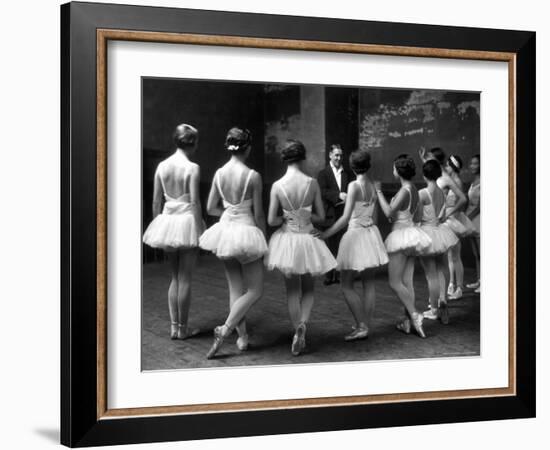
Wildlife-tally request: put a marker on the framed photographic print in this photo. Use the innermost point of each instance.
(273, 224)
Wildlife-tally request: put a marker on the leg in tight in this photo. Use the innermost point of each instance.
(352, 298)
(475, 250)
(408, 275)
(234, 276)
(308, 285)
(440, 267)
(429, 265)
(293, 295)
(452, 279)
(456, 259)
(253, 275)
(369, 294)
(187, 260)
(396, 271)
(173, 292)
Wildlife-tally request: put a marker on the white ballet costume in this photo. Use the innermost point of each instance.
(405, 236)
(293, 249)
(235, 235)
(361, 246)
(176, 226)
(458, 222)
(443, 238)
(474, 194)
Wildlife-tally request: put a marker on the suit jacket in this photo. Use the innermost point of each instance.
(330, 192)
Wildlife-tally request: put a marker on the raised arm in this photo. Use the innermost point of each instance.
(390, 210)
(259, 215)
(213, 204)
(273, 219)
(157, 194)
(318, 215)
(348, 209)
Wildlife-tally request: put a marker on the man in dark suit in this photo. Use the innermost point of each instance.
(333, 181)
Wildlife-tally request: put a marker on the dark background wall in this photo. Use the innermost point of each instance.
(386, 122)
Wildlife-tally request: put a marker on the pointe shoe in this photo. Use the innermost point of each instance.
(443, 312)
(184, 333)
(451, 289)
(299, 340)
(417, 320)
(174, 331)
(218, 341)
(404, 325)
(357, 333)
(473, 285)
(431, 314)
(456, 294)
(478, 290)
(242, 342)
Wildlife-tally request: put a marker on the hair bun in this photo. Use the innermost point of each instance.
(293, 151)
(237, 139)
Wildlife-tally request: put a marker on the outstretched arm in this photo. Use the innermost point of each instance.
(213, 204)
(348, 209)
(259, 215)
(273, 219)
(319, 210)
(461, 198)
(194, 193)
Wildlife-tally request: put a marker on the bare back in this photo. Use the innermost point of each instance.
(175, 173)
(299, 188)
(232, 180)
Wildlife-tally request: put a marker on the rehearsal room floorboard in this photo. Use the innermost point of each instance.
(271, 332)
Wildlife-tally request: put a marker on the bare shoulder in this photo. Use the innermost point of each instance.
(255, 177)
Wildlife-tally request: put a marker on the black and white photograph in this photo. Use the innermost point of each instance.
(306, 223)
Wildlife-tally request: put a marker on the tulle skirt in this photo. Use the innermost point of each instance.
(361, 248)
(227, 239)
(460, 224)
(173, 231)
(443, 238)
(410, 240)
(298, 254)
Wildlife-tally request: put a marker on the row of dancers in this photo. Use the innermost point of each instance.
(427, 224)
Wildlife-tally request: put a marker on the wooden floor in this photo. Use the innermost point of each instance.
(271, 332)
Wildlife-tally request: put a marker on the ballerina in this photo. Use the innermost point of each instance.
(455, 200)
(176, 229)
(238, 239)
(404, 242)
(473, 213)
(432, 210)
(293, 248)
(361, 248)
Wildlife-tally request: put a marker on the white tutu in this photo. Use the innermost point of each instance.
(410, 240)
(174, 228)
(460, 224)
(361, 248)
(227, 239)
(442, 238)
(298, 254)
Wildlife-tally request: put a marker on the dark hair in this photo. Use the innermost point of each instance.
(405, 167)
(431, 170)
(185, 136)
(455, 162)
(238, 140)
(335, 147)
(438, 154)
(293, 151)
(359, 161)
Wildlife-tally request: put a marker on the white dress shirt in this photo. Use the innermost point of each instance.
(338, 175)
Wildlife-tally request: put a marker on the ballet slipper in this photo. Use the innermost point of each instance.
(219, 337)
(174, 330)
